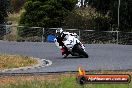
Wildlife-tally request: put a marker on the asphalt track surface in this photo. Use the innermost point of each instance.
(101, 56)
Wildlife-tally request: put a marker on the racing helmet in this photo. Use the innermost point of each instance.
(59, 30)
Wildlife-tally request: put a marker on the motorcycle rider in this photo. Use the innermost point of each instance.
(60, 37)
(69, 43)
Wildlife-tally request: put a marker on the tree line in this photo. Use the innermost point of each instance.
(95, 14)
(110, 7)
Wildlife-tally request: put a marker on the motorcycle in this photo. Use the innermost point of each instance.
(73, 45)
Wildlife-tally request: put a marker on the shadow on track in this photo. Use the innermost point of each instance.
(72, 57)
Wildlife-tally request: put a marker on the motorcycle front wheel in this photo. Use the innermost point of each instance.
(80, 51)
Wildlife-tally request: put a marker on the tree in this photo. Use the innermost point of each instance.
(48, 13)
(125, 15)
(3, 10)
(3, 14)
(16, 5)
(45, 13)
(87, 18)
(110, 7)
(101, 5)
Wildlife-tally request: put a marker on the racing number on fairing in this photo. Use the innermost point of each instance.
(72, 41)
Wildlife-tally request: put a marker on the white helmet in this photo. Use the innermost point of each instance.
(59, 30)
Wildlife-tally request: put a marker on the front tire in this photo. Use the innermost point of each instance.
(80, 51)
(83, 53)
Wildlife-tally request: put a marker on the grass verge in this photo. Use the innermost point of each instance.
(15, 61)
(55, 81)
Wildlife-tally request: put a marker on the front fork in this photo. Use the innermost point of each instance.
(83, 47)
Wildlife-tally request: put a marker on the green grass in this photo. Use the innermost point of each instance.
(63, 82)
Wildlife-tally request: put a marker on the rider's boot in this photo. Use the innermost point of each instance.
(65, 52)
